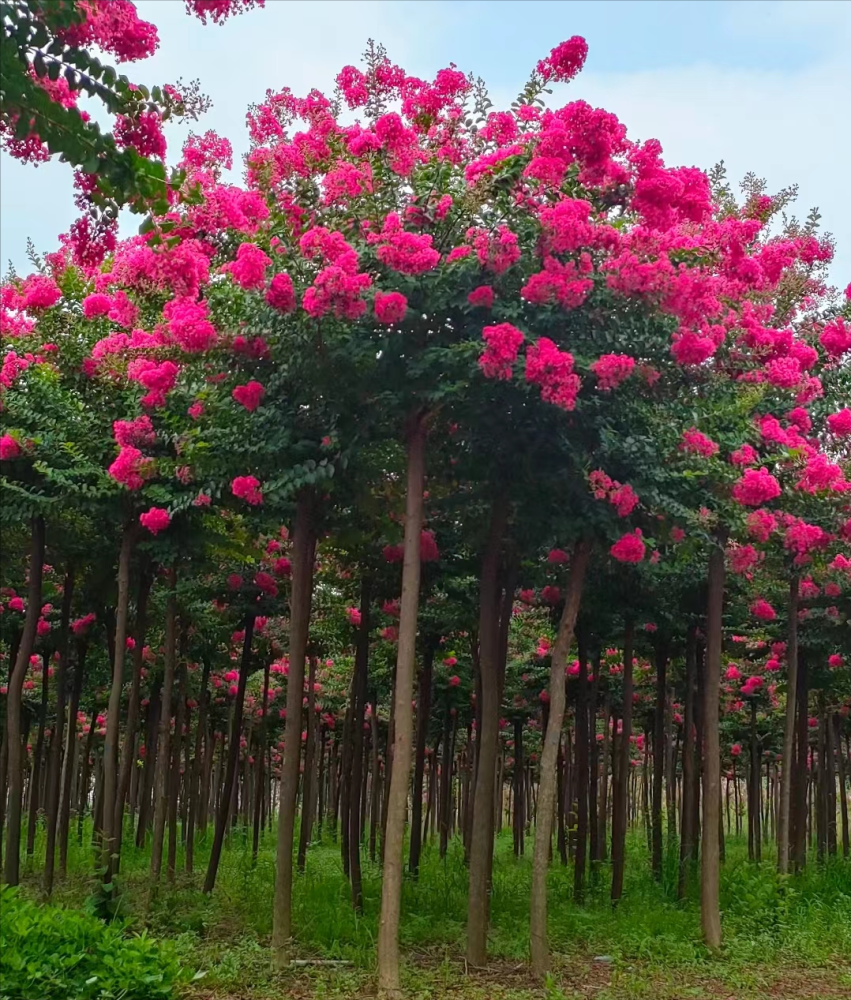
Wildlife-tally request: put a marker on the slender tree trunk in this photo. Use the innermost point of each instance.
(174, 780)
(620, 781)
(389, 982)
(69, 763)
(232, 764)
(659, 757)
(261, 758)
(161, 783)
(147, 804)
(14, 703)
(594, 772)
(35, 802)
(487, 739)
(196, 775)
(783, 822)
(546, 791)
(304, 545)
(710, 913)
(582, 776)
(602, 835)
(113, 712)
(359, 686)
(309, 781)
(375, 791)
(128, 752)
(841, 765)
(687, 830)
(423, 716)
(799, 766)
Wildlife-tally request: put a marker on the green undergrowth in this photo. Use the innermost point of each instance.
(769, 922)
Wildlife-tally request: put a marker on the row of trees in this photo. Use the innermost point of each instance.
(535, 411)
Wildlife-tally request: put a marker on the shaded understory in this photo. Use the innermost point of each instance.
(783, 939)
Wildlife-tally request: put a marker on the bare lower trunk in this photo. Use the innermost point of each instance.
(710, 913)
(69, 764)
(687, 831)
(225, 805)
(304, 544)
(359, 687)
(161, 785)
(481, 837)
(128, 751)
(309, 779)
(14, 699)
(547, 789)
(620, 778)
(389, 982)
(783, 820)
(581, 780)
(659, 758)
(423, 715)
(113, 712)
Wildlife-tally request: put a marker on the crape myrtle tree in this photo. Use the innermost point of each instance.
(595, 340)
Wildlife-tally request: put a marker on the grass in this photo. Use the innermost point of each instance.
(783, 938)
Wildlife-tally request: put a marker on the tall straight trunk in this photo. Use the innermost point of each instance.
(755, 782)
(659, 757)
(196, 777)
(174, 781)
(687, 830)
(113, 712)
(84, 776)
(830, 776)
(70, 760)
(602, 834)
(14, 704)
(161, 783)
(323, 781)
(147, 803)
(261, 759)
(800, 771)
(841, 766)
(225, 805)
(783, 820)
(35, 803)
(547, 789)
(446, 780)
(304, 545)
(670, 768)
(375, 791)
(423, 716)
(620, 780)
(593, 771)
(487, 738)
(389, 981)
(710, 912)
(309, 781)
(128, 751)
(582, 777)
(388, 763)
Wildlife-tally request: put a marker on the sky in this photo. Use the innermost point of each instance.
(764, 85)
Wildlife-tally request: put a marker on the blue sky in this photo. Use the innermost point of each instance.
(763, 85)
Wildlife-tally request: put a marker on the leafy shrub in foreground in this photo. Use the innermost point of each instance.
(52, 953)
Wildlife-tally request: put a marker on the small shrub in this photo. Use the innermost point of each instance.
(53, 953)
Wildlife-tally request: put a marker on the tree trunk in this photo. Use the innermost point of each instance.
(375, 791)
(710, 913)
(423, 715)
(14, 704)
(687, 831)
(582, 776)
(161, 784)
(620, 780)
(783, 821)
(309, 780)
(69, 763)
(35, 802)
(843, 793)
(113, 712)
(196, 797)
(547, 789)
(659, 757)
(128, 752)
(261, 759)
(224, 810)
(304, 545)
(389, 982)
(174, 781)
(487, 739)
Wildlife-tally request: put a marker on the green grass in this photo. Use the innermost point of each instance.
(772, 927)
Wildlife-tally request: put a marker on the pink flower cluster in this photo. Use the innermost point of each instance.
(189, 325)
(249, 395)
(402, 251)
(697, 443)
(281, 293)
(138, 432)
(552, 369)
(249, 268)
(503, 343)
(756, 487)
(564, 61)
(557, 283)
(130, 468)
(156, 519)
(840, 422)
(629, 548)
(390, 307)
(763, 610)
(612, 369)
(622, 497)
(247, 488)
(742, 558)
(158, 379)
